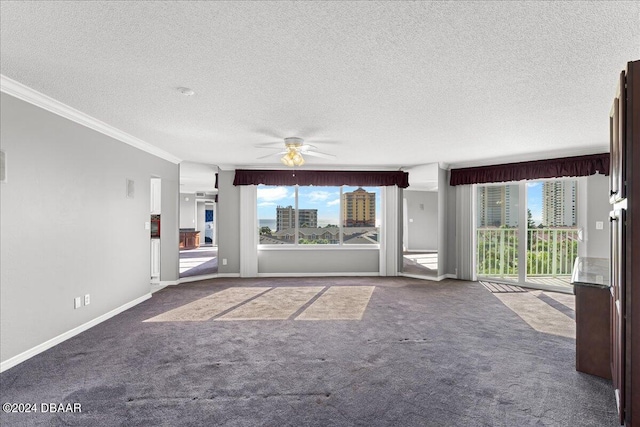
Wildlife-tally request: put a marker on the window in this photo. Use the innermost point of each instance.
(318, 215)
(360, 215)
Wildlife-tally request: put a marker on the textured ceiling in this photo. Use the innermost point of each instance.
(378, 84)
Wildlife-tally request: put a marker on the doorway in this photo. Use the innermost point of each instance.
(420, 234)
(198, 222)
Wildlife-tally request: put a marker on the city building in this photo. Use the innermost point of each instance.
(497, 206)
(559, 204)
(286, 217)
(359, 208)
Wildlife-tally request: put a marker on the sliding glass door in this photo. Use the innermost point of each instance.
(498, 232)
(527, 232)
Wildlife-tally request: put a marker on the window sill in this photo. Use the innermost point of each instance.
(318, 247)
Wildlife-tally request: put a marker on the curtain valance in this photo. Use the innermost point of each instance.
(321, 178)
(550, 168)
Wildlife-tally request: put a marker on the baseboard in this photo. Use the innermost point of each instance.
(228, 275)
(169, 283)
(431, 278)
(333, 274)
(15, 360)
(196, 278)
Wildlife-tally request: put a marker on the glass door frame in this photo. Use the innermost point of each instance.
(523, 231)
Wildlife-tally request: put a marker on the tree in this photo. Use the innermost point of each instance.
(265, 231)
(530, 223)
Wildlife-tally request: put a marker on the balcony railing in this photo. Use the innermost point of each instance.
(550, 251)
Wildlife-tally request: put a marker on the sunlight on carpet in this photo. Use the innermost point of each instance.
(339, 303)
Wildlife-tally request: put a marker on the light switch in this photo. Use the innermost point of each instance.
(599, 225)
(147, 225)
(410, 219)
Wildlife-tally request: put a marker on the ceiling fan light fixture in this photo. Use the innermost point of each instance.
(293, 157)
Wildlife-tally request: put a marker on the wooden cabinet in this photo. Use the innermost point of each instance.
(591, 286)
(625, 245)
(189, 239)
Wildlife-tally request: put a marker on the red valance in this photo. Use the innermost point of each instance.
(551, 168)
(321, 178)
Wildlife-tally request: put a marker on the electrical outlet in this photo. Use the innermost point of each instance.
(599, 225)
(224, 261)
(77, 302)
(87, 299)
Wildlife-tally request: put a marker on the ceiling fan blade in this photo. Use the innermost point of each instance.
(319, 154)
(306, 147)
(324, 141)
(269, 145)
(271, 155)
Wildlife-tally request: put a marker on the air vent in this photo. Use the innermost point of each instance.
(131, 188)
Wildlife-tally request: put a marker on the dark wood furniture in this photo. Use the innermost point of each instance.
(189, 239)
(591, 286)
(625, 245)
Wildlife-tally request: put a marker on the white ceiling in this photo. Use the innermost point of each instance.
(378, 84)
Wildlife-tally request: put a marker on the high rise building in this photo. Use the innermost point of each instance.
(359, 208)
(498, 206)
(559, 203)
(286, 217)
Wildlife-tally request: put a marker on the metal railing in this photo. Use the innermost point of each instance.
(550, 251)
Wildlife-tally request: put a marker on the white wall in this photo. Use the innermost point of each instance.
(443, 222)
(422, 220)
(187, 210)
(318, 261)
(200, 217)
(69, 229)
(598, 208)
(228, 224)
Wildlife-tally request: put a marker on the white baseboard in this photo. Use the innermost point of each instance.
(334, 274)
(227, 275)
(432, 278)
(196, 278)
(15, 360)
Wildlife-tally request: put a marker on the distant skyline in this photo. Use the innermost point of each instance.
(325, 199)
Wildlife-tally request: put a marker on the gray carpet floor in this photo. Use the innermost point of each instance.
(424, 354)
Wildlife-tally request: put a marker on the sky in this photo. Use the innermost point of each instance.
(534, 200)
(325, 199)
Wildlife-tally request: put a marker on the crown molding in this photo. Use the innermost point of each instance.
(27, 94)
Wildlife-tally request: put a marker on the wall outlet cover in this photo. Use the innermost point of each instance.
(77, 302)
(87, 299)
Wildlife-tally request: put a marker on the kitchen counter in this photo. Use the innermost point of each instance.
(592, 272)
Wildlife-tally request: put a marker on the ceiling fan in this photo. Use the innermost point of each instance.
(294, 149)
